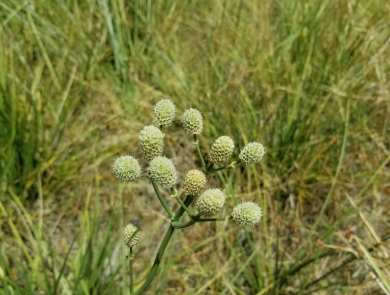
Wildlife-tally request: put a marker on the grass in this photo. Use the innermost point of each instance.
(308, 79)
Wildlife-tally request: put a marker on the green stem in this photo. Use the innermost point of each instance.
(131, 271)
(196, 219)
(147, 175)
(214, 219)
(179, 213)
(176, 196)
(179, 225)
(208, 169)
(231, 165)
(196, 142)
(162, 201)
(157, 260)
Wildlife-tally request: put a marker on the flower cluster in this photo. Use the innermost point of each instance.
(221, 150)
(162, 172)
(194, 182)
(132, 234)
(210, 202)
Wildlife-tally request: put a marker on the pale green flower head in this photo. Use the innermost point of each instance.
(221, 150)
(132, 234)
(210, 202)
(247, 213)
(192, 121)
(126, 168)
(164, 113)
(151, 142)
(163, 171)
(252, 153)
(194, 181)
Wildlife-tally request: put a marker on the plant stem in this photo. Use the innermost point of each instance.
(179, 225)
(196, 142)
(157, 260)
(131, 271)
(214, 219)
(231, 165)
(153, 271)
(176, 196)
(162, 201)
(196, 219)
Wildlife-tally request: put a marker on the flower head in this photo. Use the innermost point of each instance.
(210, 202)
(164, 112)
(192, 121)
(163, 171)
(194, 181)
(132, 234)
(247, 213)
(126, 168)
(252, 153)
(151, 141)
(221, 150)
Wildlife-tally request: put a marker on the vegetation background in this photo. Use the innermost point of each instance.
(308, 79)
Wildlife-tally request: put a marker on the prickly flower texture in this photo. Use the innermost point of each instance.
(126, 168)
(221, 150)
(194, 181)
(151, 141)
(252, 153)
(164, 113)
(210, 202)
(192, 121)
(247, 213)
(163, 171)
(132, 234)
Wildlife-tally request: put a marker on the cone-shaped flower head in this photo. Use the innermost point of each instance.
(252, 153)
(247, 213)
(132, 234)
(221, 150)
(164, 112)
(126, 168)
(194, 181)
(192, 121)
(151, 141)
(210, 202)
(163, 171)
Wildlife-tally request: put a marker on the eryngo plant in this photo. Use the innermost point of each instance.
(162, 173)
